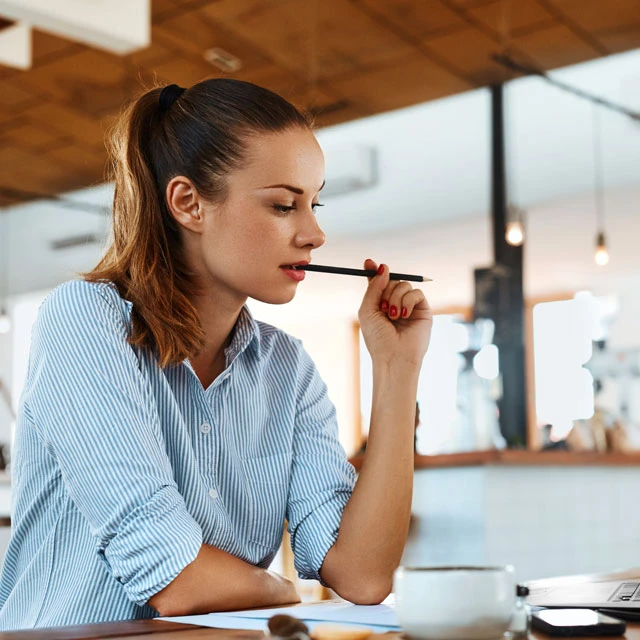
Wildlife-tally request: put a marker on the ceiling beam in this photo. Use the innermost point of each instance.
(118, 26)
(15, 46)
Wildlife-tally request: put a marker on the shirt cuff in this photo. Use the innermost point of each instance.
(315, 535)
(154, 543)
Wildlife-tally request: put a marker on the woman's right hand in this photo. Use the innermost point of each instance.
(395, 319)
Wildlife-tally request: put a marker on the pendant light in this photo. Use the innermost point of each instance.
(514, 228)
(514, 216)
(601, 255)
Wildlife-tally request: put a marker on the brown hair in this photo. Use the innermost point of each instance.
(200, 136)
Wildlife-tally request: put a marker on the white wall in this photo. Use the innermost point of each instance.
(546, 521)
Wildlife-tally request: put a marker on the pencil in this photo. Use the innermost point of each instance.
(369, 273)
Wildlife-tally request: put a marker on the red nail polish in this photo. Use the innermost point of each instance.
(404, 312)
(393, 311)
(380, 269)
(384, 305)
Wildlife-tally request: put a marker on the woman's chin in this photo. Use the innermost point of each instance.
(276, 297)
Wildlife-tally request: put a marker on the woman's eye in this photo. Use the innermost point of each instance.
(316, 204)
(283, 209)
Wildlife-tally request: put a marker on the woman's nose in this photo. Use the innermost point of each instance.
(310, 234)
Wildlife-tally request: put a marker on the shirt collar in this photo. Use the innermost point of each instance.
(246, 333)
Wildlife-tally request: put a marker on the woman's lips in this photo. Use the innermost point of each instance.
(295, 274)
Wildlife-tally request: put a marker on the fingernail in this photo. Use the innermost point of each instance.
(404, 312)
(384, 305)
(380, 269)
(393, 311)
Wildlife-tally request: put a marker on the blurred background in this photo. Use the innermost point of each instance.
(492, 145)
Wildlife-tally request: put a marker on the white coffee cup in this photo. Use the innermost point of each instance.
(454, 603)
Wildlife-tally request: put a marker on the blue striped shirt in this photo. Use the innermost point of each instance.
(123, 469)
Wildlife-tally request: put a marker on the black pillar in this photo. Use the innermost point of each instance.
(508, 313)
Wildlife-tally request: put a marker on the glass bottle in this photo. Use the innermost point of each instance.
(521, 618)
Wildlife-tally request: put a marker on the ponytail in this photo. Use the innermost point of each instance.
(143, 259)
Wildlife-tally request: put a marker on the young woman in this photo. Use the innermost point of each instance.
(164, 435)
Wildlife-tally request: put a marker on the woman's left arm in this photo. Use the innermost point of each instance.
(375, 522)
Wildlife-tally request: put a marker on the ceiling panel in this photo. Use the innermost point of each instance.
(159, 52)
(332, 36)
(47, 46)
(418, 19)
(35, 173)
(614, 27)
(342, 59)
(557, 44)
(195, 32)
(183, 71)
(31, 136)
(399, 84)
(95, 82)
(471, 53)
(88, 132)
(512, 17)
(88, 163)
(14, 97)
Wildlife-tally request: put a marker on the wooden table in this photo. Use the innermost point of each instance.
(161, 630)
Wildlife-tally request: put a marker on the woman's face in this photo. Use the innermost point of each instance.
(267, 221)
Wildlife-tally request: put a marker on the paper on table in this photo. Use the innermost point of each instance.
(382, 617)
(219, 621)
(330, 611)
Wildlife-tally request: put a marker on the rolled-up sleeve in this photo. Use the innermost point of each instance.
(90, 403)
(322, 479)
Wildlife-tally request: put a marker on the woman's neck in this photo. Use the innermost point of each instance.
(218, 321)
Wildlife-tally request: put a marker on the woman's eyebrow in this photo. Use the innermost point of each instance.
(291, 188)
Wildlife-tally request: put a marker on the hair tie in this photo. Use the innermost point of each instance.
(169, 95)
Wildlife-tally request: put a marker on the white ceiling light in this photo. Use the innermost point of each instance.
(15, 46)
(117, 26)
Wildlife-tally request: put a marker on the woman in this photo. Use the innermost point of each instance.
(164, 435)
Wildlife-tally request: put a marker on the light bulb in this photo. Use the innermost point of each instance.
(602, 255)
(514, 234)
(5, 322)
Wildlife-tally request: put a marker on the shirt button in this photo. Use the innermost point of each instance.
(213, 493)
(205, 428)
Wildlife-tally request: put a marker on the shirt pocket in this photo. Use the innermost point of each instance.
(268, 484)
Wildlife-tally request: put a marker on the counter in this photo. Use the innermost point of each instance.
(547, 513)
(519, 457)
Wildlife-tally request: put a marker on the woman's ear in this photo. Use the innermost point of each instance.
(185, 203)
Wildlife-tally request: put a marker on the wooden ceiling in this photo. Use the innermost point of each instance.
(344, 59)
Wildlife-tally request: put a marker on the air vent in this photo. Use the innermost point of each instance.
(349, 168)
(71, 242)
